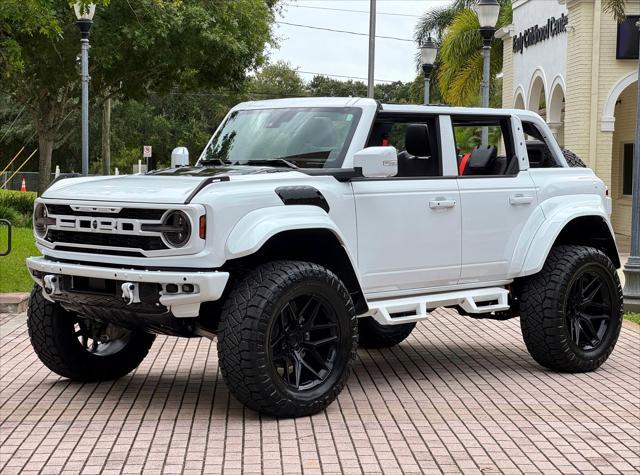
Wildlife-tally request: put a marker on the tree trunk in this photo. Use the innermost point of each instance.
(45, 149)
(106, 137)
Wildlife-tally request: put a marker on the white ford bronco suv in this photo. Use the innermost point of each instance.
(309, 226)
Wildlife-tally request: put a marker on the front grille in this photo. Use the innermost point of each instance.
(95, 229)
(125, 213)
(146, 243)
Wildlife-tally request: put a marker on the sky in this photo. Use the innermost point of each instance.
(318, 51)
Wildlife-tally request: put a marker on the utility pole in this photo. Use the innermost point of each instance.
(372, 48)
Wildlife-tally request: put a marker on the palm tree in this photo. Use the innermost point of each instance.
(458, 68)
(460, 73)
(615, 7)
(435, 22)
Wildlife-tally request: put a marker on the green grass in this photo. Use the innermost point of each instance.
(633, 317)
(14, 276)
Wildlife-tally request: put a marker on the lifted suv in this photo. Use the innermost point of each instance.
(310, 226)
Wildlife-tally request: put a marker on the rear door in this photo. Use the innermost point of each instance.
(409, 225)
(496, 202)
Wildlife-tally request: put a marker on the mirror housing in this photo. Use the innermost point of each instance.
(179, 157)
(377, 162)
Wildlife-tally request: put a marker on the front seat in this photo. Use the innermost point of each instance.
(416, 160)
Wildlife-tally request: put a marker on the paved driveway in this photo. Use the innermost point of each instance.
(460, 395)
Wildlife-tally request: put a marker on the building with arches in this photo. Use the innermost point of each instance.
(574, 65)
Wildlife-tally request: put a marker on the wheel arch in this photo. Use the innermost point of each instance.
(304, 233)
(591, 230)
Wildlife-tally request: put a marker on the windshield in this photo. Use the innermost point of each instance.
(310, 137)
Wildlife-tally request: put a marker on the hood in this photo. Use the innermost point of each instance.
(171, 186)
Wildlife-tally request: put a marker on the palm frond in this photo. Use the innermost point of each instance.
(435, 22)
(460, 58)
(615, 7)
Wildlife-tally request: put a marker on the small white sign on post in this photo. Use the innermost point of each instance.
(146, 151)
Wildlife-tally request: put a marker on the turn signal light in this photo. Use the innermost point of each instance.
(203, 226)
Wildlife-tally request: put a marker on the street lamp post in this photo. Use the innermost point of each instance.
(84, 14)
(428, 53)
(488, 12)
(632, 268)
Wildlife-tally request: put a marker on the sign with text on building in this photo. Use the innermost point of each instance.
(146, 151)
(536, 34)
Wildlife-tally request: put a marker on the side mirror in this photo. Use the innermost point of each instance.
(179, 157)
(377, 162)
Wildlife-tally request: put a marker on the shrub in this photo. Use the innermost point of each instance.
(9, 214)
(20, 202)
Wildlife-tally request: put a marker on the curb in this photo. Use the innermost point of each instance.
(15, 302)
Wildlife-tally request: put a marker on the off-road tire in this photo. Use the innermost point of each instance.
(545, 307)
(244, 338)
(572, 159)
(51, 329)
(372, 335)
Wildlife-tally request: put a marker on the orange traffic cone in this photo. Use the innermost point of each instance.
(23, 188)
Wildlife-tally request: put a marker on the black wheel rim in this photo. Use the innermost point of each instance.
(589, 310)
(304, 342)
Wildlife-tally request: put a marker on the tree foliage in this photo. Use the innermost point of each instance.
(274, 81)
(138, 47)
(461, 63)
(615, 8)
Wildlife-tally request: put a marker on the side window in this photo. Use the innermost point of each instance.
(416, 142)
(627, 169)
(495, 159)
(540, 155)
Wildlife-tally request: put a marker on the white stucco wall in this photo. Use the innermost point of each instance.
(547, 58)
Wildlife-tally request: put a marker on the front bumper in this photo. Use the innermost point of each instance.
(207, 286)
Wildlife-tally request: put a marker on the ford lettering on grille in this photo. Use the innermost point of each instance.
(101, 225)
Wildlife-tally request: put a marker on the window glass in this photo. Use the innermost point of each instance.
(307, 137)
(496, 158)
(469, 137)
(627, 169)
(415, 139)
(540, 155)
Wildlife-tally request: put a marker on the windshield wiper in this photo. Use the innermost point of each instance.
(272, 162)
(214, 161)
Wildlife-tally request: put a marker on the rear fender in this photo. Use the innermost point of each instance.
(582, 220)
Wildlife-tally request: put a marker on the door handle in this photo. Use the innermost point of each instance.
(433, 204)
(520, 199)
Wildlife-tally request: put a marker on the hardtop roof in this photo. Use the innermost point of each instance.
(368, 102)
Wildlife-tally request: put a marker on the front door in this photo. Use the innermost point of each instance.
(409, 226)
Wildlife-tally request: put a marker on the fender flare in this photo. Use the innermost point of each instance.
(257, 227)
(558, 219)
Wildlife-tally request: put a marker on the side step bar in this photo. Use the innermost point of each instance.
(413, 309)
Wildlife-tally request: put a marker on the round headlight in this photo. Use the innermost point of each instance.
(40, 220)
(177, 228)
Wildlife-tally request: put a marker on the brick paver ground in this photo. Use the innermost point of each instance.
(460, 395)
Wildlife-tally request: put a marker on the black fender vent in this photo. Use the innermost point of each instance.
(302, 195)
